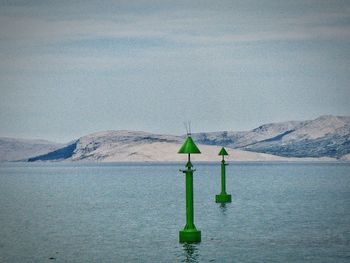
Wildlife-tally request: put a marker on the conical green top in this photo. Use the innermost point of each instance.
(189, 146)
(223, 151)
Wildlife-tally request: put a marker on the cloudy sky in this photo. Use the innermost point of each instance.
(68, 68)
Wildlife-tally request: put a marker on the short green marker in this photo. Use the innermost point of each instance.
(189, 234)
(223, 197)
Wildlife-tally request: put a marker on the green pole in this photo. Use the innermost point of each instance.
(223, 176)
(223, 197)
(189, 234)
(189, 196)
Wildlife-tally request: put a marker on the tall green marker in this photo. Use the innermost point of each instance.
(189, 234)
(223, 197)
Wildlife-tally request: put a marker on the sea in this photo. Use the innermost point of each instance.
(133, 212)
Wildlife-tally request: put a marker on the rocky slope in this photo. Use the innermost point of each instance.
(326, 136)
(126, 146)
(17, 149)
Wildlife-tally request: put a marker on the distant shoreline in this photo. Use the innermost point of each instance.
(178, 162)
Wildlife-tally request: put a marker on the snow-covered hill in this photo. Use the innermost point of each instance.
(326, 136)
(17, 149)
(129, 146)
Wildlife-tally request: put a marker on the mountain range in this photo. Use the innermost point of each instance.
(19, 149)
(325, 138)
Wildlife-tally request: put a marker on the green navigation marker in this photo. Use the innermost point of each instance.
(223, 197)
(189, 234)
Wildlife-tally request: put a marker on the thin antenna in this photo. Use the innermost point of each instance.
(185, 124)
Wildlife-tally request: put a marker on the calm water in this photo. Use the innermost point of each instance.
(132, 213)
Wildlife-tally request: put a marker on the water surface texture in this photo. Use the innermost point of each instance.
(280, 212)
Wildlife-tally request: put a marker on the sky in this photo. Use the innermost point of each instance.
(70, 68)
